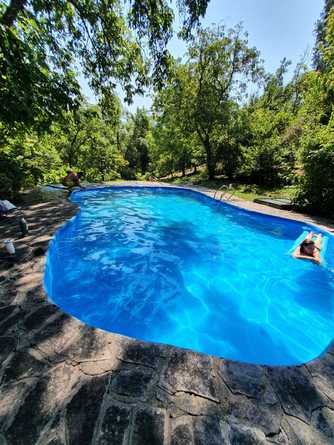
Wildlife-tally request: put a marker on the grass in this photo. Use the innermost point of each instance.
(244, 191)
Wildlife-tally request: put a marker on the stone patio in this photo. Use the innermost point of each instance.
(63, 382)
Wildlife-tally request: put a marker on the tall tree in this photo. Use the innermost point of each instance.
(137, 148)
(86, 139)
(215, 75)
(320, 32)
(175, 148)
(316, 189)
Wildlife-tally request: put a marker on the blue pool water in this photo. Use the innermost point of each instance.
(174, 266)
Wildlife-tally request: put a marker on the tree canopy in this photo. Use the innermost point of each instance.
(202, 92)
(44, 43)
(320, 32)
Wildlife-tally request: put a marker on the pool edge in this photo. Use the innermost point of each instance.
(330, 347)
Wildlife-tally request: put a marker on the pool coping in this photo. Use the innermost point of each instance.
(62, 380)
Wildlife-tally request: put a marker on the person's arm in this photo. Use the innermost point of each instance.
(316, 256)
(318, 242)
(309, 236)
(296, 253)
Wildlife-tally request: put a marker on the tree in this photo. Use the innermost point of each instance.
(207, 85)
(270, 149)
(140, 131)
(42, 41)
(328, 66)
(232, 140)
(87, 140)
(137, 146)
(275, 95)
(267, 159)
(28, 158)
(316, 189)
(174, 149)
(320, 31)
(176, 144)
(74, 133)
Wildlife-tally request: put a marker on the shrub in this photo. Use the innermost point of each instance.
(316, 188)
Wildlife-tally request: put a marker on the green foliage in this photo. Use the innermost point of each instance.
(41, 43)
(266, 141)
(268, 157)
(26, 160)
(328, 66)
(87, 141)
(320, 30)
(35, 86)
(200, 95)
(317, 184)
(84, 140)
(202, 112)
(174, 148)
(137, 146)
(11, 176)
(220, 66)
(231, 141)
(316, 189)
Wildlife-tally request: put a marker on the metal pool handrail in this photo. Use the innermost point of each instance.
(223, 195)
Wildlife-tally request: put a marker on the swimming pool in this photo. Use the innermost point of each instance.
(174, 266)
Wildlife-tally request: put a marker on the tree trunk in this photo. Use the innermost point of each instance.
(118, 141)
(102, 169)
(210, 162)
(12, 11)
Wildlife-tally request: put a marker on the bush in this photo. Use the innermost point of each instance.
(128, 173)
(6, 186)
(316, 188)
(11, 176)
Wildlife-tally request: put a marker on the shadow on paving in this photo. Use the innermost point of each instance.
(63, 382)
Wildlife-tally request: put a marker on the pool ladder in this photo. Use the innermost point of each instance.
(227, 192)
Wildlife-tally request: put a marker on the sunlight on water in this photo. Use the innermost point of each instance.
(176, 267)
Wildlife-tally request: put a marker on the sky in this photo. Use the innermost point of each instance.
(278, 29)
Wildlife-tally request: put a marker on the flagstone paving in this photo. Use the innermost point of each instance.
(63, 382)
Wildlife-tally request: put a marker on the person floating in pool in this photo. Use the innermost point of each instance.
(72, 180)
(309, 249)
